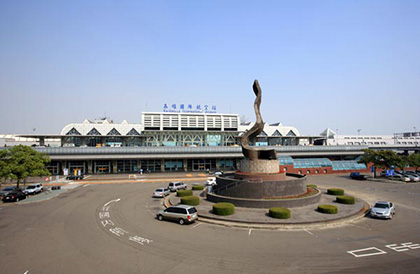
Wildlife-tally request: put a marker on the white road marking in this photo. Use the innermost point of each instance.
(195, 225)
(26, 272)
(403, 246)
(249, 233)
(378, 252)
(307, 231)
(85, 185)
(358, 226)
(117, 200)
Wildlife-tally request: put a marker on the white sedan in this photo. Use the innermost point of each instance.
(161, 192)
(211, 181)
(384, 210)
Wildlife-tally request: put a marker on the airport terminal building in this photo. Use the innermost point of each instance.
(166, 141)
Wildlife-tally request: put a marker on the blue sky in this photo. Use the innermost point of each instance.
(346, 65)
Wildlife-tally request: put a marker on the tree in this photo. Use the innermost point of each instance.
(402, 162)
(414, 160)
(4, 168)
(370, 156)
(380, 158)
(20, 162)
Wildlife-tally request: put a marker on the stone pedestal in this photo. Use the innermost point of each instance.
(260, 166)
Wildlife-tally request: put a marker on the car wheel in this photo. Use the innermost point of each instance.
(181, 221)
(160, 217)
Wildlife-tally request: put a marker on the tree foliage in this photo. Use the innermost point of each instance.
(384, 159)
(414, 160)
(20, 162)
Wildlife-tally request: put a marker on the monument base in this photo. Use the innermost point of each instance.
(260, 166)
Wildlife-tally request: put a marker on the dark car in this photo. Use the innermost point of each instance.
(74, 177)
(14, 196)
(7, 190)
(357, 176)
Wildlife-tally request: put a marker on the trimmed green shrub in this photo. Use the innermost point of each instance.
(183, 193)
(190, 200)
(279, 212)
(312, 185)
(328, 209)
(223, 209)
(349, 200)
(197, 187)
(335, 191)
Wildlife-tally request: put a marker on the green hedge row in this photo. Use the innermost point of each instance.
(335, 191)
(349, 200)
(328, 209)
(223, 209)
(197, 187)
(183, 193)
(312, 185)
(279, 212)
(190, 200)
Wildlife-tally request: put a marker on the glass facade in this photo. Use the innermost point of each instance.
(126, 166)
(324, 162)
(102, 167)
(150, 165)
(174, 165)
(285, 160)
(53, 167)
(201, 164)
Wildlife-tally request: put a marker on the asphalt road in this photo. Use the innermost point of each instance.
(111, 228)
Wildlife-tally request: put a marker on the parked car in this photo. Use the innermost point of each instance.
(7, 189)
(218, 173)
(384, 210)
(75, 177)
(161, 192)
(399, 177)
(14, 196)
(174, 186)
(211, 181)
(413, 177)
(179, 213)
(33, 189)
(357, 176)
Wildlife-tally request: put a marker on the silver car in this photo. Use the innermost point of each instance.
(175, 186)
(384, 210)
(161, 192)
(179, 213)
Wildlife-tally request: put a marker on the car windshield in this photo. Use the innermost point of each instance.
(192, 210)
(381, 205)
(159, 190)
(30, 187)
(8, 188)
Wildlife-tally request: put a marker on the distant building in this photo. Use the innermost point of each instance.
(408, 138)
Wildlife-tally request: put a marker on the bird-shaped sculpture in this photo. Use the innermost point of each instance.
(250, 152)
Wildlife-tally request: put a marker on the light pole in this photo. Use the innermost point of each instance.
(359, 130)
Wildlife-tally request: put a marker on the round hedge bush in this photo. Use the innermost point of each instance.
(279, 212)
(197, 187)
(223, 209)
(183, 193)
(349, 200)
(312, 185)
(335, 191)
(328, 209)
(190, 200)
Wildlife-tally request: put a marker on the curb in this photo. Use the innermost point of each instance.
(276, 226)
